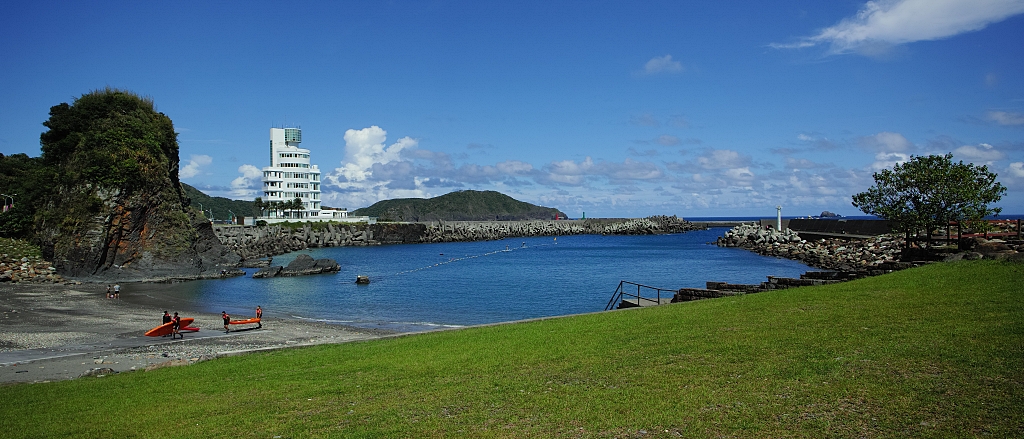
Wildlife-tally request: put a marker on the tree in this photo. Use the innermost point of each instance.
(258, 206)
(295, 204)
(928, 192)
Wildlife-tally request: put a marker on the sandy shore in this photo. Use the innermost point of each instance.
(55, 332)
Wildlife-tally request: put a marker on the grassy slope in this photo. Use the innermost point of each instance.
(934, 351)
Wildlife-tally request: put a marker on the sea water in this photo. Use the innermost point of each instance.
(422, 286)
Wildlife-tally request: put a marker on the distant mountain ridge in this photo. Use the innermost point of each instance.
(466, 205)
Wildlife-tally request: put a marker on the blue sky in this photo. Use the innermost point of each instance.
(609, 108)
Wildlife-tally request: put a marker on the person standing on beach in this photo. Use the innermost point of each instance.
(117, 291)
(259, 315)
(176, 326)
(167, 319)
(227, 320)
(109, 292)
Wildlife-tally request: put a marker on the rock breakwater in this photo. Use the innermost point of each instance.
(830, 254)
(254, 242)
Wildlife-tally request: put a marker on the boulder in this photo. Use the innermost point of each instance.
(267, 272)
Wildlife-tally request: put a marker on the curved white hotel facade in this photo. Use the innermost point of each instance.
(291, 176)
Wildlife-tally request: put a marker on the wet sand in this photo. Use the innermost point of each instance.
(54, 332)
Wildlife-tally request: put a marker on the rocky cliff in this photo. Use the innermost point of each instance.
(117, 209)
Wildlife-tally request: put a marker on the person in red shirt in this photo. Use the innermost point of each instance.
(259, 315)
(176, 326)
(227, 320)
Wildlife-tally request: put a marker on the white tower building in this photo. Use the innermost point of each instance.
(290, 176)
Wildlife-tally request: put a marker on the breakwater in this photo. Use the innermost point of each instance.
(255, 242)
(830, 254)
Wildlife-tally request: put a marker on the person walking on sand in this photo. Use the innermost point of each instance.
(259, 315)
(227, 320)
(117, 291)
(109, 292)
(167, 319)
(176, 326)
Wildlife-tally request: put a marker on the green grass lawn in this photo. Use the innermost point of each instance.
(930, 352)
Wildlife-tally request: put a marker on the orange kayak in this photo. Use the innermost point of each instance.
(167, 328)
(245, 322)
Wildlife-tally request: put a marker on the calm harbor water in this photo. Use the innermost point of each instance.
(423, 286)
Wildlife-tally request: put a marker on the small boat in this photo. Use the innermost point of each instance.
(360, 279)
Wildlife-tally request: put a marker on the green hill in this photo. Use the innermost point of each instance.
(458, 206)
(221, 207)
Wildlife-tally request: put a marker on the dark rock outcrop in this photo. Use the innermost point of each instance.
(302, 265)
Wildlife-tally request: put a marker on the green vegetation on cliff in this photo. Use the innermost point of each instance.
(24, 183)
(221, 207)
(458, 206)
(933, 351)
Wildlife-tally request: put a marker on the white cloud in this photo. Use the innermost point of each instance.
(192, 168)
(722, 159)
(983, 153)
(662, 64)
(1006, 118)
(247, 184)
(886, 160)
(884, 23)
(667, 140)
(365, 147)
(1016, 169)
(886, 142)
(513, 167)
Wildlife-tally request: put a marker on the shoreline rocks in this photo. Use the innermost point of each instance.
(873, 255)
(303, 265)
(28, 269)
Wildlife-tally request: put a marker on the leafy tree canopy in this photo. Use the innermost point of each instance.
(24, 181)
(110, 137)
(928, 192)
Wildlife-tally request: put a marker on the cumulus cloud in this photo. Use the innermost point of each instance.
(886, 160)
(886, 23)
(662, 64)
(1016, 169)
(886, 142)
(195, 162)
(1006, 118)
(982, 153)
(248, 183)
(365, 147)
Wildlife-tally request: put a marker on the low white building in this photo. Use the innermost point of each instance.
(291, 175)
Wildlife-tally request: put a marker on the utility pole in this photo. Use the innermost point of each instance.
(778, 218)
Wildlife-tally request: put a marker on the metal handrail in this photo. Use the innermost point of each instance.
(620, 292)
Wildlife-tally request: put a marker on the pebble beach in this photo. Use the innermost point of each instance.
(52, 332)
